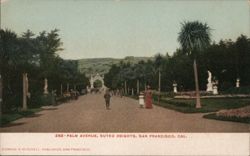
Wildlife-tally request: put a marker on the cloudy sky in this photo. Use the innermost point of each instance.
(119, 28)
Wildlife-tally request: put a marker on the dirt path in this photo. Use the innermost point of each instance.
(88, 114)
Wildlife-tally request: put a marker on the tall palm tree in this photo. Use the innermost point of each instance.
(194, 37)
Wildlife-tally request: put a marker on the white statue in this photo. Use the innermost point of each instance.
(45, 86)
(209, 80)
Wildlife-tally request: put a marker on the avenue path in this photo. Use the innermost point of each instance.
(88, 114)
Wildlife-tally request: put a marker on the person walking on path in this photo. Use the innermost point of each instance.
(107, 97)
(148, 96)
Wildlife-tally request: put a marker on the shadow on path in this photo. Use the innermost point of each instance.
(14, 124)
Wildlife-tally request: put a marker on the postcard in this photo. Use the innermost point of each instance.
(125, 77)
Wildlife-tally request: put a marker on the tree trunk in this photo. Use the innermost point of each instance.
(67, 87)
(125, 87)
(61, 89)
(198, 100)
(138, 87)
(159, 89)
(24, 91)
(1, 94)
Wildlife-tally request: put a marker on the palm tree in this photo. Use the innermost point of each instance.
(194, 37)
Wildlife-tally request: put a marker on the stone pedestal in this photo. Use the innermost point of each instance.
(141, 100)
(209, 87)
(175, 87)
(215, 90)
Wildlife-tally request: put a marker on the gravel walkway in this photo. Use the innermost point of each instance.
(88, 114)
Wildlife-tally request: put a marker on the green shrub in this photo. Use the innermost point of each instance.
(6, 118)
(62, 99)
(240, 90)
(179, 103)
(38, 100)
(164, 94)
(11, 104)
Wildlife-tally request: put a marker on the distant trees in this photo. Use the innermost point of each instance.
(228, 61)
(220, 58)
(37, 56)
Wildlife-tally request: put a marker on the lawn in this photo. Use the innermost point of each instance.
(208, 105)
(7, 118)
(12, 116)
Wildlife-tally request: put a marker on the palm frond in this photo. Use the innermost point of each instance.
(194, 36)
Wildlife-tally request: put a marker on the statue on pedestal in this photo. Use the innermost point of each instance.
(175, 87)
(237, 83)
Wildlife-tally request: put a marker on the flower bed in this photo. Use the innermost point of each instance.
(237, 115)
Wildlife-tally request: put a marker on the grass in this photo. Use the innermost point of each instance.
(208, 105)
(7, 118)
(231, 118)
(12, 116)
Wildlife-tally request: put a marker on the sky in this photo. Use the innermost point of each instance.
(119, 28)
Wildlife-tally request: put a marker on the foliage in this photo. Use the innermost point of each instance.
(209, 105)
(97, 84)
(7, 118)
(194, 37)
(102, 65)
(240, 90)
(219, 58)
(38, 56)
